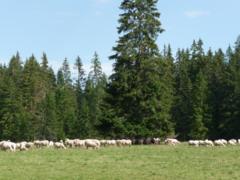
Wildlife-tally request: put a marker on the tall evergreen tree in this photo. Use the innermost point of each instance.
(199, 100)
(230, 125)
(167, 79)
(95, 92)
(33, 95)
(96, 73)
(12, 113)
(66, 103)
(183, 101)
(47, 108)
(218, 93)
(136, 83)
(83, 113)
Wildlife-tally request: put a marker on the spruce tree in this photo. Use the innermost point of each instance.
(82, 109)
(230, 125)
(47, 108)
(12, 113)
(95, 92)
(199, 99)
(136, 83)
(183, 101)
(217, 93)
(66, 103)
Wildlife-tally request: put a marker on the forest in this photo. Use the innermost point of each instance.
(193, 94)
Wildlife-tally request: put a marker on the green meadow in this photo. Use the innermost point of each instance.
(136, 162)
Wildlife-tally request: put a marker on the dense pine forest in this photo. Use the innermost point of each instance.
(152, 92)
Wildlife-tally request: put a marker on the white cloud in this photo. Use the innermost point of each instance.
(196, 14)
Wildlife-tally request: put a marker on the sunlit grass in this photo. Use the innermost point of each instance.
(137, 162)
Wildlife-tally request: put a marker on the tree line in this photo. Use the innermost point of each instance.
(194, 94)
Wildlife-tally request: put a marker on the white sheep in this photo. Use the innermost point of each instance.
(232, 142)
(170, 141)
(22, 146)
(69, 143)
(7, 145)
(29, 145)
(79, 143)
(111, 142)
(208, 143)
(92, 143)
(224, 141)
(103, 142)
(59, 145)
(193, 143)
(219, 142)
(124, 142)
(42, 143)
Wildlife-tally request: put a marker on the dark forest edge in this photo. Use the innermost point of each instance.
(193, 95)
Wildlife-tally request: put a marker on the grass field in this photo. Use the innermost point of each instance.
(136, 162)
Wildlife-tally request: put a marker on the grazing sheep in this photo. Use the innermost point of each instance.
(219, 142)
(193, 143)
(224, 141)
(173, 142)
(59, 145)
(79, 143)
(40, 144)
(92, 143)
(124, 142)
(69, 143)
(22, 146)
(103, 142)
(7, 145)
(29, 145)
(208, 143)
(111, 142)
(201, 143)
(232, 142)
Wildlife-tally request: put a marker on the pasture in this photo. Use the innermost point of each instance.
(136, 162)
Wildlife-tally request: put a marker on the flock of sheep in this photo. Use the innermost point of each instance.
(68, 143)
(219, 142)
(96, 144)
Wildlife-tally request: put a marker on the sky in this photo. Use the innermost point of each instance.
(71, 28)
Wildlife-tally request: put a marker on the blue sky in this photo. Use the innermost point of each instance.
(67, 28)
